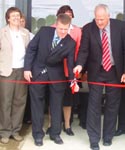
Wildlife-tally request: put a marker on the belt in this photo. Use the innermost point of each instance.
(44, 71)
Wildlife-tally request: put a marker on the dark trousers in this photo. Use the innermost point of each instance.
(27, 113)
(37, 95)
(83, 108)
(121, 115)
(112, 102)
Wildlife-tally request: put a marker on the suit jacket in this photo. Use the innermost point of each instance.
(41, 55)
(75, 33)
(6, 49)
(91, 48)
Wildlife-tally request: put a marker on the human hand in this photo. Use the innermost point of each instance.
(123, 78)
(28, 75)
(78, 69)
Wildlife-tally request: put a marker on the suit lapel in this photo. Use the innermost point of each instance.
(7, 34)
(24, 36)
(96, 33)
(51, 39)
(112, 33)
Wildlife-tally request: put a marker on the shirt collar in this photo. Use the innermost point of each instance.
(55, 34)
(56, 37)
(107, 28)
(70, 28)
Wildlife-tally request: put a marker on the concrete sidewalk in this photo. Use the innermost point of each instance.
(78, 142)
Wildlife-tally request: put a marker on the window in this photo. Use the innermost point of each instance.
(4, 5)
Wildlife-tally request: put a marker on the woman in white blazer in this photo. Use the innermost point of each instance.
(13, 42)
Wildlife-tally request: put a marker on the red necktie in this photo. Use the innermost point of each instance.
(106, 61)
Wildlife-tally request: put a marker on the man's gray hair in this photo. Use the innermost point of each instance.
(104, 6)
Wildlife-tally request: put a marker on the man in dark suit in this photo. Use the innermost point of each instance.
(91, 50)
(44, 62)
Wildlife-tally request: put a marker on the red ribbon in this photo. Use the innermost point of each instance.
(34, 82)
(62, 81)
(108, 84)
(74, 82)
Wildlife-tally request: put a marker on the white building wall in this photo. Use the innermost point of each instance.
(83, 9)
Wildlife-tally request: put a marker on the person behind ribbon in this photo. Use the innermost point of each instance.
(69, 98)
(105, 68)
(13, 42)
(27, 113)
(43, 62)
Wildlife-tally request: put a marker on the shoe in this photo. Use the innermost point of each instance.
(17, 137)
(69, 131)
(4, 140)
(119, 132)
(48, 131)
(94, 146)
(57, 139)
(107, 142)
(28, 122)
(38, 141)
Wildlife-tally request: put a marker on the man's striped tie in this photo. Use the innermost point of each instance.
(55, 42)
(106, 61)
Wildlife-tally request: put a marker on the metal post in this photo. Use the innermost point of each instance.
(26, 7)
(3, 12)
(124, 10)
